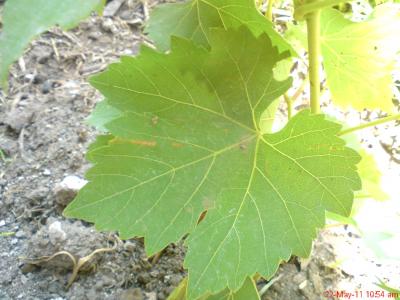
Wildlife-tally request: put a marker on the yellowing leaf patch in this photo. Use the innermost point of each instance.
(359, 58)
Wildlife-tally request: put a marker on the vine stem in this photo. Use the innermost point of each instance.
(370, 124)
(268, 13)
(289, 102)
(313, 34)
(304, 9)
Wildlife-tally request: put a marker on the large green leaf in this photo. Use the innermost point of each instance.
(194, 18)
(190, 101)
(359, 58)
(24, 19)
(189, 141)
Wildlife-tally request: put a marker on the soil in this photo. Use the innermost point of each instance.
(43, 137)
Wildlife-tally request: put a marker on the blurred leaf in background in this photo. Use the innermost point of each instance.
(25, 19)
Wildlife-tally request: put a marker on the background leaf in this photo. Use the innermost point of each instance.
(395, 292)
(193, 20)
(103, 114)
(369, 172)
(359, 58)
(248, 291)
(24, 19)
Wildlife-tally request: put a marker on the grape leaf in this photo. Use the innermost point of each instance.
(24, 19)
(248, 291)
(297, 174)
(189, 141)
(359, 58)
(194, 18)
(158, 98)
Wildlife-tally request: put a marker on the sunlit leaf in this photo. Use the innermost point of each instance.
(369, 172)
(359, 58)
(193, 20)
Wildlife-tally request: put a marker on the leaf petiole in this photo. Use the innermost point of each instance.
(305, 9)
(268, 13)
(289, 103)
(370, 124)
(314, 50)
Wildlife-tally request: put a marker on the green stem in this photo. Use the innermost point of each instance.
(289, 102)
(300, 89)
(370, 124)
(302, 10)
(313, 33)
(268, 13)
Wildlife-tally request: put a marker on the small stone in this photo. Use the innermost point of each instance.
(67, 189)
(299, 278)
(129, 246)
(24, 279)
(29, 77)
(20, 234)
(108, 26)
(38, 194)
(126, 15)
(43, 59)
(2, 223)
(112, 7)
(46, 87)
(303, 284)
(131, 294)
(151, 296)
(135, 22)
(143, 278)
(27, 268)
(56, 233)
(17, 121)
(38, 79)
(95, 35)
(154, 273)
(46, 172)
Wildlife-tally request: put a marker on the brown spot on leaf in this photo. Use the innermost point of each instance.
(177, 145)
(202, 216)
(144, 143)
(134, 142)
